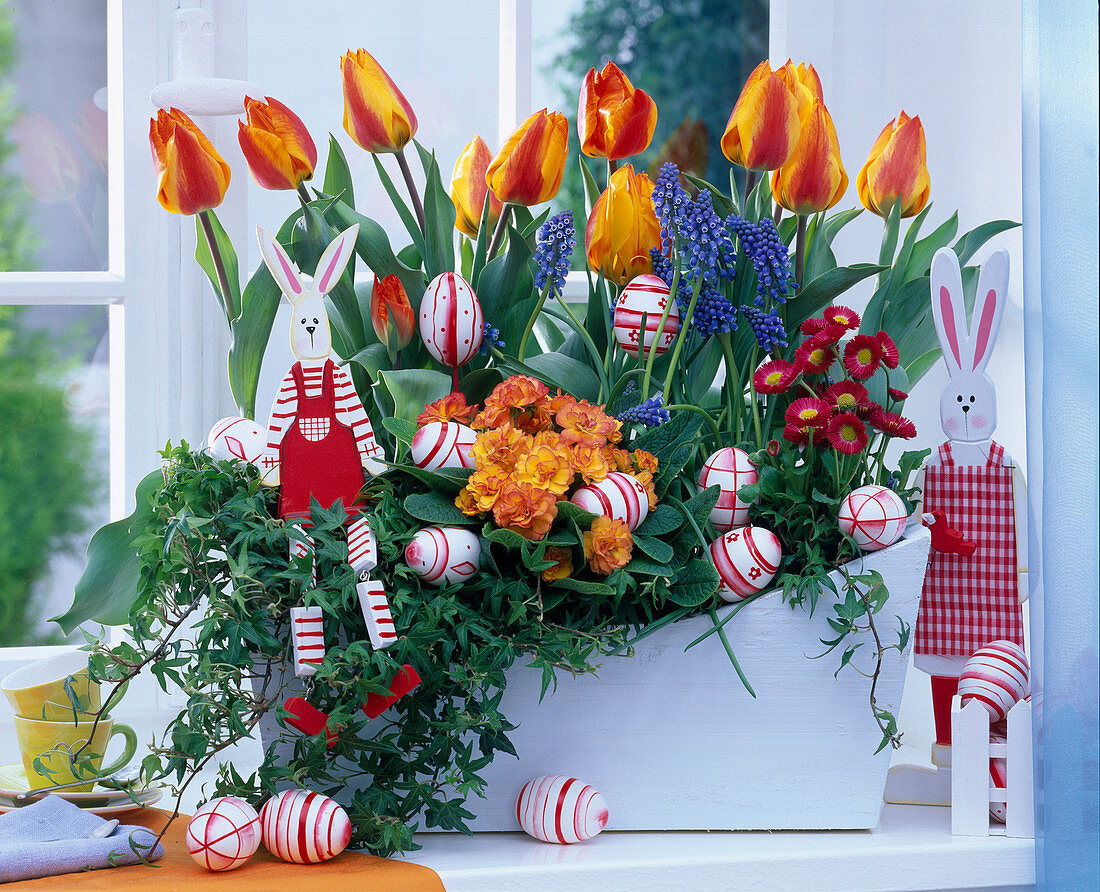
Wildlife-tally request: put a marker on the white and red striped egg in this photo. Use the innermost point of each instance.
(997, 677)
(223, 834)
(619, 496)
(729, 469)
(444, 555)
(304, 827)
(560, 809)
(746, 559)
(646, 295)
(872, 515)
(443, 444)
(451, 323)
(237, 438)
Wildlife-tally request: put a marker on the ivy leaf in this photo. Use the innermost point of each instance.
(584, 586)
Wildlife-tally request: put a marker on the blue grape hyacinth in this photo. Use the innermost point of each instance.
(769, 257)
(650, 413)
(490, 337)
(554, 251)
(767, 327)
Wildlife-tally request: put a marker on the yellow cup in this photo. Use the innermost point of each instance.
(41, 690)
(51, 743)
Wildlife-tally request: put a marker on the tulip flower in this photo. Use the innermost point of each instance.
(803, 81)
(687, 147)
(278, 148)
(469, 190)
(614, 119)
(376, 114)
(813, 179)
(191, 175)
(763, 129)
(623, 227)
(529, 166)
(896, 170)
(52, 170)
(91, 133)
(390, 313)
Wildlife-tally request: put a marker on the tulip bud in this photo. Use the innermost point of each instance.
(896, 170)
(813, 179)
(390, 313)
(764, 127)
(278, 148)
(52, 170)
(468, 188)
(801, 78)
(614, 119)
(191, 175)
(529, 166)
(376, 114)
(687, 147)
(623, 227)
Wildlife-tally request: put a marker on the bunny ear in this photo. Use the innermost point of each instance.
(280, 265)
(989, 306)
(949, 311)
(331, 265)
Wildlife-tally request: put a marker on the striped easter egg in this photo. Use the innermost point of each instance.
(618, 496)
(237, 438)
(872, 515)
(560, 809)
(443, 555)
(450, 320)
(304, 827)
(223, 834)
(996, 676)
(746, 559)
(443, 444)
(729, 469)
(998, 778)
(646, 295)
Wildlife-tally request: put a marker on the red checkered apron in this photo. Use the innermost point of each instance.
(969, 601)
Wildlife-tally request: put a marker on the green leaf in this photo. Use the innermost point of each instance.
(411, 390)
(402, 429)
(920, 260)
(591, 189)
(664, 519)
(337, 174)
(584, 586)
(439, 217)
(823, 290)
(251, 332)
(722, 204)
(969, 243)
(660, 551)
(373, 358)
(700, 505)
(435, 508)
(575, 513)
(506, 290)
(573, 377)
(205, 260)
(695, 584)
(399, 205)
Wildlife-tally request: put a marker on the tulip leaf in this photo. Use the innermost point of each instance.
(890, 235)
(890, 292)
(572, 376)
(530, 230)
(506, 290)
(478, 384)
(969, 243)
(337, 174)
(374, 358)
(820, 292)
(920, 261)
(481, 249)
(837, 222)
(722, 203)
(411, 390)
(922, 365)
(591, 190)
(231, 302)
(399, 205)
(439, 218)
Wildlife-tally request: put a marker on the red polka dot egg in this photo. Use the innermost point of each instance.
(223, 834)
(618, 496)
(560, 809)
(443, 444)
(729, 469)
(747, 559)
(872, 515)
(647, 296)
(450, 320)
(304, 827)
(997, 677)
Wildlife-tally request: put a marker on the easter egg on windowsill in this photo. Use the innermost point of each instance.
(443, 444)
(451, 323)
(997, 676)
(560, 809)
(746, 559)
(618, 496)
(237, 438)
(729, 469)
(223, 834)
(304, 827)
(443, 555)
(872, 515)
(647, 296)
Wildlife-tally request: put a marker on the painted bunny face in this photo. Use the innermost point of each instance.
(310, 335)
(968, 405)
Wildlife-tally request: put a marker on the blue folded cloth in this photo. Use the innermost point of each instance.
(50, 838)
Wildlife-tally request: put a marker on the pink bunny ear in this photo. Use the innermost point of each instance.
(948, 309)
(282, 267)
(331, 265)
(989, 306)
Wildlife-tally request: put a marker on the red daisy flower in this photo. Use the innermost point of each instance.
(774, 376)
(838, 315)
(814, 359)
(809, 410)
(812, 326)
(847, 433)
(891, 423)
(798, 435)
(898, 395)
(890, 355)
(846, 396)
(862, 356)
(828, 336)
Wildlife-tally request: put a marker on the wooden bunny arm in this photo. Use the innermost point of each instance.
(350, 411)
(284, 408)
(1020, 511)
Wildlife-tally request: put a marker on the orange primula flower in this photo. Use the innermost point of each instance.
(545, 468)
(501, 446)
(590, 462)
(645, 461)
(485, 486)
(563, 567)
(559, 401)
(520, 401)
(608, 545)
(452, 407)
(620, 458)
(525, 509)
(588, 425)
(467, 503)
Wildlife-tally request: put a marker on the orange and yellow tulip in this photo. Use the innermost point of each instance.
(687, 147)
(390, 312)
(191, 175)
(813, 179)
(278, 148)
(376, 114)
(896, 170)
(52, 169)
(529, 166)
(623, 227)
(614, 119)
(763, 129)
(799, 78)
(469, 190)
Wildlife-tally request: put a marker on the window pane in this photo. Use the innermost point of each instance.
(53, 135)
(443, 58)
(54, 399)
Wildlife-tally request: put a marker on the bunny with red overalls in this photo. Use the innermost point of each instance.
(974, 491)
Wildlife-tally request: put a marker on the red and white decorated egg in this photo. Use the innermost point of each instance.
(729, 469)
(998, 778)
(444, 555)
(304, 827)
(443, 444)
(872, 515)
(996, 676)
(646, 295)
(618, 496)
(237, 438)
(223, 834)
(450, 319)
(746, 559)
(560, 809)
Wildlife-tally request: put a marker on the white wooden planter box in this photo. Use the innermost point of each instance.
(675, 742)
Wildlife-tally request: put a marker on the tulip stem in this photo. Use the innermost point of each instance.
(303, 194)
(800, 249)
(750, 181)
(498, 232)
(418, 208)
(531, 324)
(219, 267)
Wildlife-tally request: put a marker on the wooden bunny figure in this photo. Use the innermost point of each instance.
(973, 493)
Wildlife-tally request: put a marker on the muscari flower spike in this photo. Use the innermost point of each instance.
(554, 251)
(769, 257)
(649, 413)
(490, 337)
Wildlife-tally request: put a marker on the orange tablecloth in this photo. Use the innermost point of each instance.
(263, 873)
